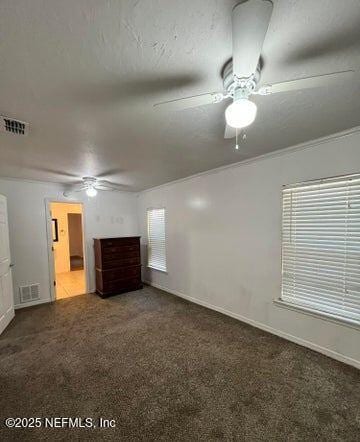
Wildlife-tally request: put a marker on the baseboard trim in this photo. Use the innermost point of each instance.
(325, 351)
(30, 304)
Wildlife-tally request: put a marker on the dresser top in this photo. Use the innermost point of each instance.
(115, 237)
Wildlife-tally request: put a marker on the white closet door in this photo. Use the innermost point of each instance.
(6, 286)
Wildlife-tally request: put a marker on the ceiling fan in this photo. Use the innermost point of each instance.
(91, 186)
(241, 76)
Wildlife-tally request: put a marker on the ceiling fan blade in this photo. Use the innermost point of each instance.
(108, 172)
(250, 22)
(306, 83)
(230, 132)
(195, 101)
(74, 189)
(108, 185)
(115, 90)
(60, 173)
(105, 188)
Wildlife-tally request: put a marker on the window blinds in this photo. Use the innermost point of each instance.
(321, 246)
(156, 239)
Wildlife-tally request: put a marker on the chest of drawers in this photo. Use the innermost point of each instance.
(117, 265)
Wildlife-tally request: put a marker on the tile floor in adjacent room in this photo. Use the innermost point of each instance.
(70, 284)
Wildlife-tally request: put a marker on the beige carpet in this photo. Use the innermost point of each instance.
(168, 370)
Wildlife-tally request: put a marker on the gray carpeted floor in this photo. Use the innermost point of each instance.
(166, 369)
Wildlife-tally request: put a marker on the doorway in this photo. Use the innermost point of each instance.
(68, 249)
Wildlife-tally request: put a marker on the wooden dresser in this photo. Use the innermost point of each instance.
(117, 265)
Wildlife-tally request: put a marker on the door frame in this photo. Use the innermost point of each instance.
(51, 258)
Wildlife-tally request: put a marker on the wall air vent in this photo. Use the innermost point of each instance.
(29, 293)
(12, 126)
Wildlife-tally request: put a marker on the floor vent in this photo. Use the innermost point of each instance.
(15, 127)
(29, 292)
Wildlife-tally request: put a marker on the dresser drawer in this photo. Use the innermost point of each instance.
(121, 285)
(118, 273)
(114, 263)
(120, 249)
(113, 242)
(110, 256)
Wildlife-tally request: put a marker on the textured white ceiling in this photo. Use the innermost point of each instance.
(85, 74)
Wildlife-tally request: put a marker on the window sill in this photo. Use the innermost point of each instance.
(158, 270)
(352, 323)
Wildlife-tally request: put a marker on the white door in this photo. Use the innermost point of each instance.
(6, 287)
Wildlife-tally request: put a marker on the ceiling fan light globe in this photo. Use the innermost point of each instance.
(91, 191)
(241, 113)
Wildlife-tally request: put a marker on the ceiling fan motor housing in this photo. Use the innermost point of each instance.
(89, 180)
(239, 87)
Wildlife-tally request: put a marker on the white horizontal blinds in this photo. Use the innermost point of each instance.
(321, 246)
(156, 239)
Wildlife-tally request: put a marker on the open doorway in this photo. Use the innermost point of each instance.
(68, 249)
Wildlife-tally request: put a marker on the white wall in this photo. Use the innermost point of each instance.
(224, 241)
(108, 214)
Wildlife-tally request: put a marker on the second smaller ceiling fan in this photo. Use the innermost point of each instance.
(91, 185)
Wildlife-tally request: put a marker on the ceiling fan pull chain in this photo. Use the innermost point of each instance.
(236, 139)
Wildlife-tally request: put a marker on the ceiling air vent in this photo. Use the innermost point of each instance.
(12, 126)
(29, 293)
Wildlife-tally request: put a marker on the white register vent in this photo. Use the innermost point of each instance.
(29, 293)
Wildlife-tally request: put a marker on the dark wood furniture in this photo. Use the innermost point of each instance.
(117, 265)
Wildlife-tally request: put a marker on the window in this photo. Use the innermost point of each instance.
(156, 239)
(321, 246)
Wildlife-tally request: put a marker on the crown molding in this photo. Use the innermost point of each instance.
(33, 181)
(277, 153)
